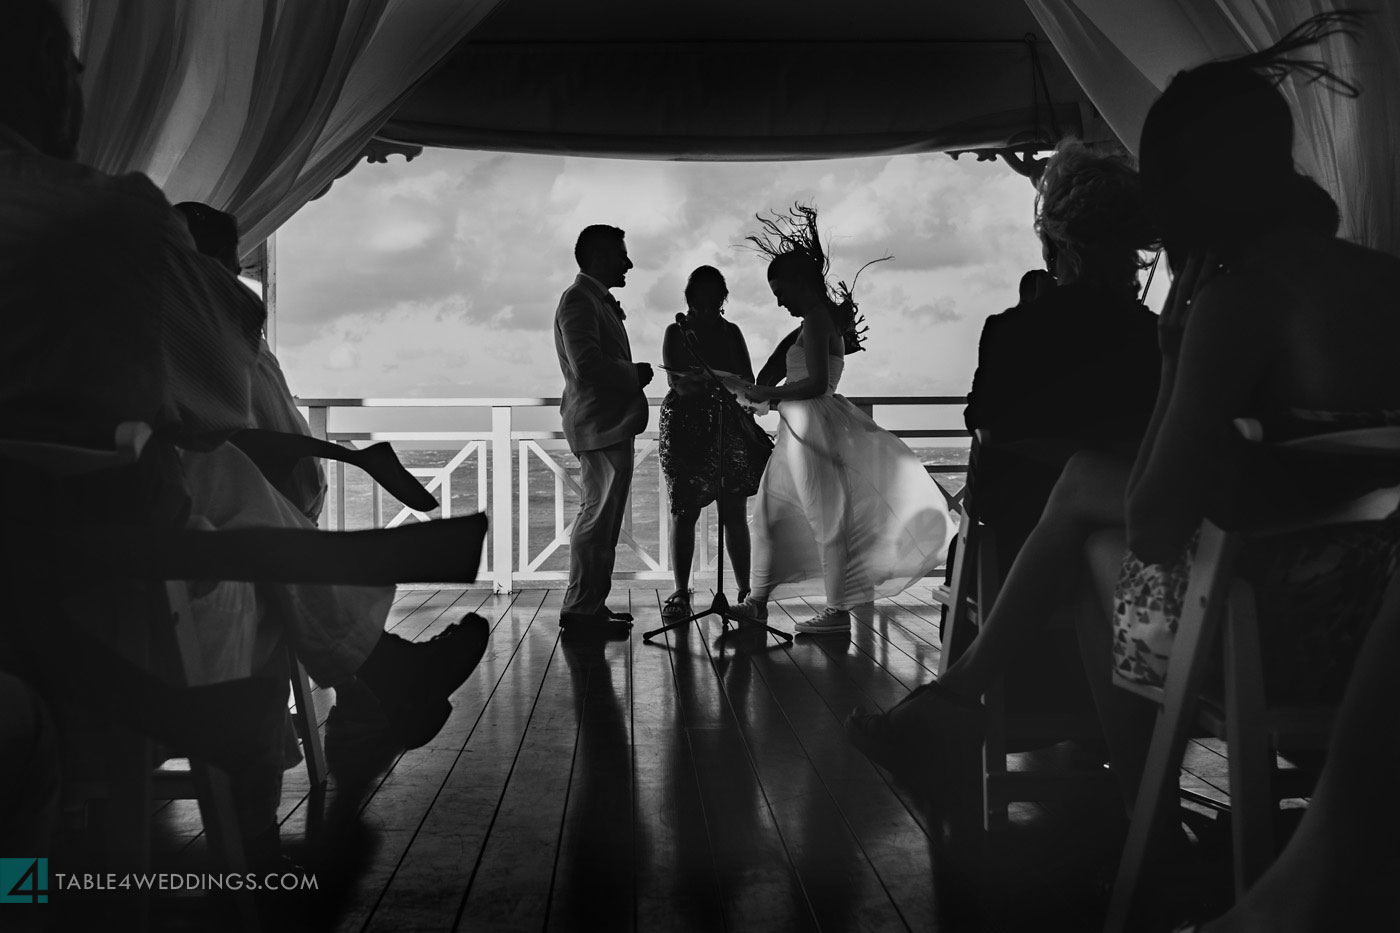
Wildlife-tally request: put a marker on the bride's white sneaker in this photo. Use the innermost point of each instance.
(755, 610)
(829, 621)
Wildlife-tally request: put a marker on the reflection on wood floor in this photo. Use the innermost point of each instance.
(701, 782)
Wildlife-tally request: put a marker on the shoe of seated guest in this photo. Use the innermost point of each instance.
(829, 621)
(929, 713)
(752, 609)
(413, 680)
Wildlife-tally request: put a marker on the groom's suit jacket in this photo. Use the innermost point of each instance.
(603, 401)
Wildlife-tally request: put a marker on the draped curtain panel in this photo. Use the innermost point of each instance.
(252, 106)
(1124, 52)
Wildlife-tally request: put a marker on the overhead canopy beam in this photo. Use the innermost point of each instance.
(746, 100)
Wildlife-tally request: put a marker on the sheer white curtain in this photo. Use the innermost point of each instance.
(252, 106)
(1124, 52)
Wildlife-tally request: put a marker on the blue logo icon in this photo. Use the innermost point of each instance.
(24, 881)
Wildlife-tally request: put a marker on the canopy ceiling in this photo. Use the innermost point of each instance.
(748, 80)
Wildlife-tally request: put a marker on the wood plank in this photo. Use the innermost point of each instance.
(677, 884)
(844, 684)
(595, 866)
(828, 801)
(418, 620)
(510, 882)
(759, 886)
(450, 794)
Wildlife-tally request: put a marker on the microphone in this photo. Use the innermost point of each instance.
(686, 331)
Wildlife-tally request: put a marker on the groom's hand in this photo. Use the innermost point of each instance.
(644, 374)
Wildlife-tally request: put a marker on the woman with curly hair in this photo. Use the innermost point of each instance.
(1074, 368)
(1271, 316)
(842, 501)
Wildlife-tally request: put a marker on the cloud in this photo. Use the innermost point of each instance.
(939, 311)
(441, 277)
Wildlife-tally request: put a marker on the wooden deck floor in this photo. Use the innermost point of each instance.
(695, 783)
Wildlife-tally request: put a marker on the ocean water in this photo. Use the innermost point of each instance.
(471, 492)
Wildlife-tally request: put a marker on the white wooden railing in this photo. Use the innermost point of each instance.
(502, 453)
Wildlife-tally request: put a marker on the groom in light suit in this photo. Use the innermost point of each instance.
(603, 411)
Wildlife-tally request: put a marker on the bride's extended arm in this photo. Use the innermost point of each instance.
(817, 330)
(775, 369)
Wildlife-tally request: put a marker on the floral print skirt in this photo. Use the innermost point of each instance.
(690, 458)
(1317, 592)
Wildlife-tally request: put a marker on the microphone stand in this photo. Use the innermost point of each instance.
(719, 606)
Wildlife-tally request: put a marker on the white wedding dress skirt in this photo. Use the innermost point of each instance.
(845, 509)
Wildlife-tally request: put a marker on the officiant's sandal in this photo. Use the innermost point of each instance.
(677, 606)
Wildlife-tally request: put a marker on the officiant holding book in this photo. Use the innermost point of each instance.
(603, 411)
(689, 415)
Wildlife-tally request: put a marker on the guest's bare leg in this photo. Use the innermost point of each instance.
(736, 536)
(1338, 870)
(1088, 497)
(683, 547)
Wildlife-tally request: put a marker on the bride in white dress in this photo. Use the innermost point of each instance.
(844, 507)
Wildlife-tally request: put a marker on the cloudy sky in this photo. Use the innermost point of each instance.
(440, 277)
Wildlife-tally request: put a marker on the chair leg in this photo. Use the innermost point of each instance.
(1250, 749)
(126, 823)
(994, 804)
(214, 793)
(305, 720)
(1196, 633)
(962, 592)
(1155, 795)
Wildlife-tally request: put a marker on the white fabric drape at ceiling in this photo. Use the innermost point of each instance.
(251, 106)
(1124, 52)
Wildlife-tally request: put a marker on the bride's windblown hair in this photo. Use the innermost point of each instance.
(792, 238)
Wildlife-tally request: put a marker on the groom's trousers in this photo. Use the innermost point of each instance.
(606, 477)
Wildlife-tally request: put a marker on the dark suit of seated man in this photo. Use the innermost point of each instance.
(1073, 369)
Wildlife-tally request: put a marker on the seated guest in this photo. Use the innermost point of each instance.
(1074, 367)
(112, 316)
(1034, 284)
(273, 405)
(1271, 315)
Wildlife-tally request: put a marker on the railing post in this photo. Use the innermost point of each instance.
(318, 422)
(502, 577)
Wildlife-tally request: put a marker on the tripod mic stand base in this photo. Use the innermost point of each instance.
(718, 607)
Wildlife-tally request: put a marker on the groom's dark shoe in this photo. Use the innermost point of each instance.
(619, 616)
(598, 623)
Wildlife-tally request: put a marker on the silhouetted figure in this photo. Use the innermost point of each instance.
(603, 411)
(690, 414)
(1270, 316)
(842, 501)
(1075, 368)
(112, 316)
(1034, 284)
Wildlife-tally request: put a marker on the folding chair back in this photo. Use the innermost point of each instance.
(1220, 607)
